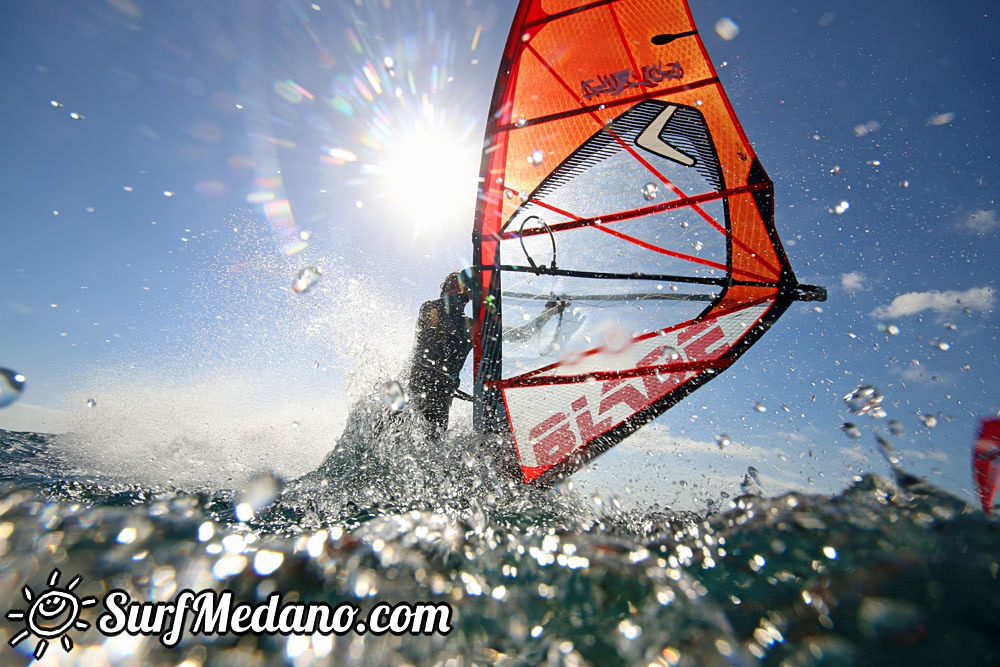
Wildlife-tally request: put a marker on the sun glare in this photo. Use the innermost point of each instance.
(430, 178)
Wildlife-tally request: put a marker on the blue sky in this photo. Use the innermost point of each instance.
(150, 150)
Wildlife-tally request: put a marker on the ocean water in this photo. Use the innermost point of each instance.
(889, 571)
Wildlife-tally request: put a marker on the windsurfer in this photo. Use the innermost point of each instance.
(441, 345)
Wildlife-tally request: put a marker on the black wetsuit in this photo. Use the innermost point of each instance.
(443, 342)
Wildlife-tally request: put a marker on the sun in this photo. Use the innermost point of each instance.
(429, 176)
(52, 614)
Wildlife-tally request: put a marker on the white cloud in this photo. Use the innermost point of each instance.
(980, 222)
(855, 280)
(911, 303)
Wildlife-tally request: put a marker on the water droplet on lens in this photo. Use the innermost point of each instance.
(865, 400)
(850, 430)
(649, 191)
(698, 245)
(840, 208)
(727, 29)
(11, 386)
(722, 440)
(306, 278)
(521, 121)
(91, 403)
(684, 224)
(895, 427)
(617, 339)
(536, 157)
(393, 395)
(759, 407)
(930, 421)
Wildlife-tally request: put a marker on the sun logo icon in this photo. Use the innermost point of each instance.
(52, 614)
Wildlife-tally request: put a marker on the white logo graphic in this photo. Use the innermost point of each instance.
(650, 139)
(52, 614)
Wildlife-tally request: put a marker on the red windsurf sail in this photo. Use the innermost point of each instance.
(986, 462)
(624, 234)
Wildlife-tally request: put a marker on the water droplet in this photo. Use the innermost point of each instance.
(890, 329)
(930, 421)
(649, 191)
(727, 29)
(840, 208)
(521, 121)
(523, 195)
(941, 345)
(76, 116)
(91, 403)
(941, 119)
(895, 427)
(850, 430)
(865, 400)
(55, 103)
(759, 407)
(509, 194)
(168, 193)
(697, 245)
(127, 188)
(536, 157)
(305, 235)
(722, 440)
(11, 386)
(684, 224)
(306, 278)
(393, 395)
(835, 169)
(616, 339)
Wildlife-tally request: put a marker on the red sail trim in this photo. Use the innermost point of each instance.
(596, 376)
(674, 254)
(986, 462)
(621, 35)
(666, 181)
(633, 213)
(714, 315)
(651, 247)
(711, 68)
(568, 12)
(610, 104)
(697, 209)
